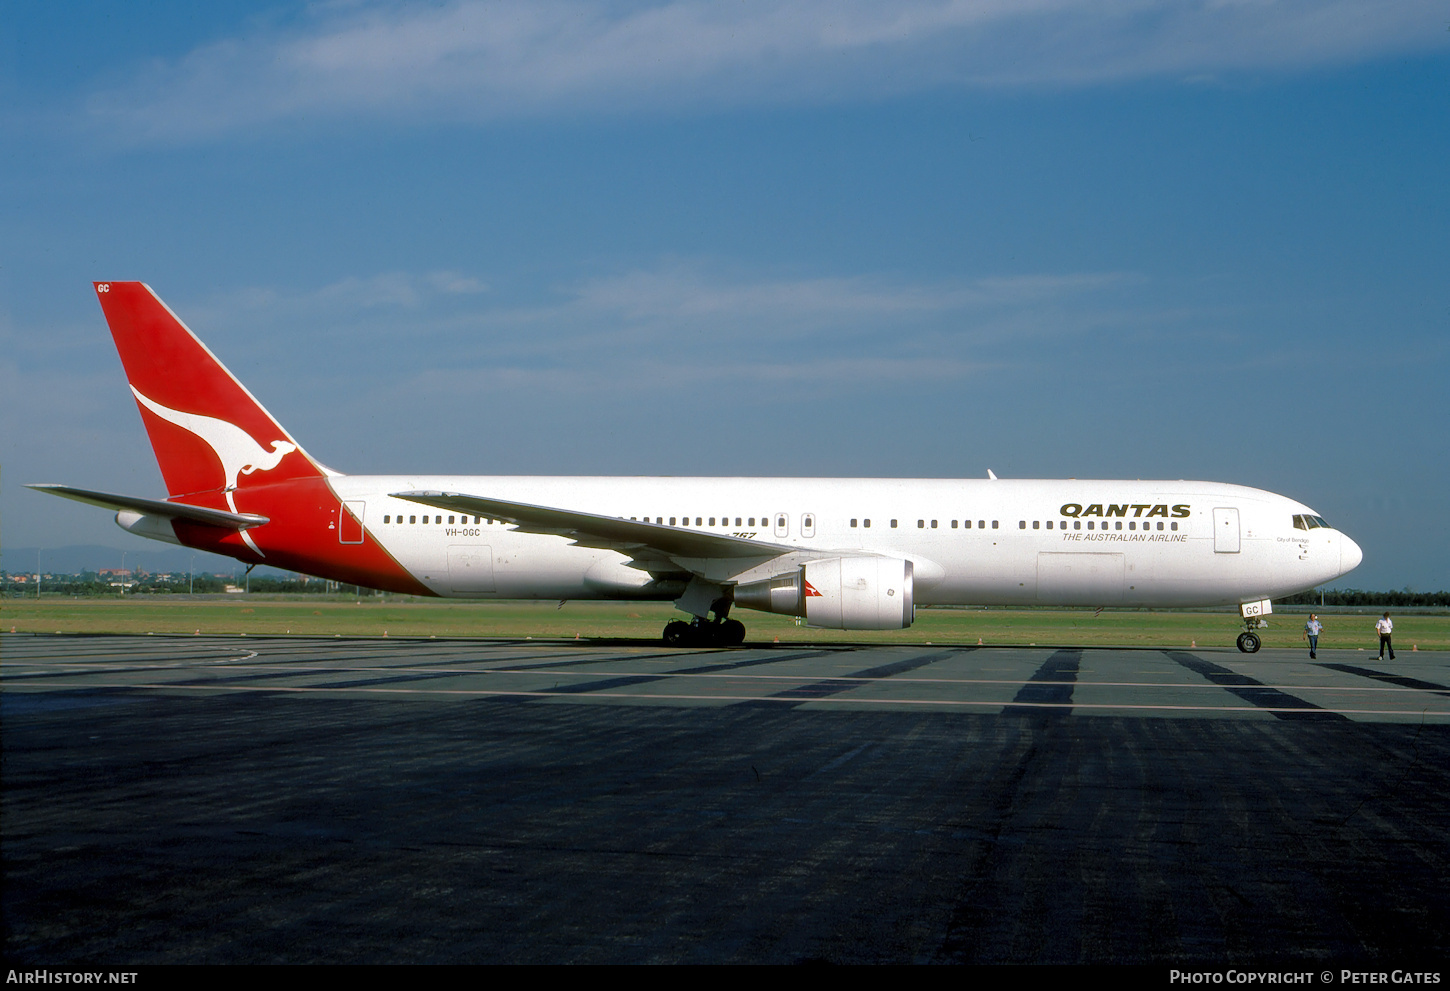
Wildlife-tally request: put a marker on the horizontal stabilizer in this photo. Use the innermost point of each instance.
(158, 507)
(601, 531)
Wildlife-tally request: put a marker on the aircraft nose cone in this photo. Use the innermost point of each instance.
(1349, 555)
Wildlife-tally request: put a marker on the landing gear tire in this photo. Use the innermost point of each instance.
(732, 633)
(1249, 643)
(729, 633)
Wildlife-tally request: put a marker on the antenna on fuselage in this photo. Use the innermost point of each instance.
(991, 475)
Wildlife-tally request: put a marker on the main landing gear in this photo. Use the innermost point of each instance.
(702, 598)
(705, 633)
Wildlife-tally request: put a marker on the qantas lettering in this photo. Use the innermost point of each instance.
(1075, 509)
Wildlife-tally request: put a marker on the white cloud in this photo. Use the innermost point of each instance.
(683, 378)
(385, 292)
(675, 304)
(472, 60)
(684, 330)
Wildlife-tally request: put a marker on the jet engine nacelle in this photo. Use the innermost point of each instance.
(845, 593)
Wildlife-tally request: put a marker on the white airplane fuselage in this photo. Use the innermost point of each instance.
(987, 542)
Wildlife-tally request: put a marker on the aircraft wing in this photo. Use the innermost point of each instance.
(157, 507)
(644, 541)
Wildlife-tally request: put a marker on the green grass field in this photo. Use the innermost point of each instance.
(313, 616)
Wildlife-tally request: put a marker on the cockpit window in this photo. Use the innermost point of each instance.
(1299, 523)
(1305, 521)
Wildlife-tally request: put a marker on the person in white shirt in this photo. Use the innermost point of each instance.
(1312, 629)
(1385, 627)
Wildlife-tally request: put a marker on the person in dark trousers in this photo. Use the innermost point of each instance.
(1385, 627)
(1312, 629)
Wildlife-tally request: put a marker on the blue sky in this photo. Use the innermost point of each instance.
(1054, 239)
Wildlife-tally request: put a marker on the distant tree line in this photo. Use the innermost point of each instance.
(91, 583)
(1354, 597)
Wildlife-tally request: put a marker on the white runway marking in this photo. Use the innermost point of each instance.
(317, 670)
(796, 701)
(958, 681)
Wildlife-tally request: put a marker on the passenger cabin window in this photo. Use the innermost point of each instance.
(782, 525)
(808, 524)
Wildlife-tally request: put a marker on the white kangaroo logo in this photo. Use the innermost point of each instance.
(234, 447)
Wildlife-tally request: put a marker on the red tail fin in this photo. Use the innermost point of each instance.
(208, 432)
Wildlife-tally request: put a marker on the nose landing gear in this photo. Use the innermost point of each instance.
(1253, 614)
